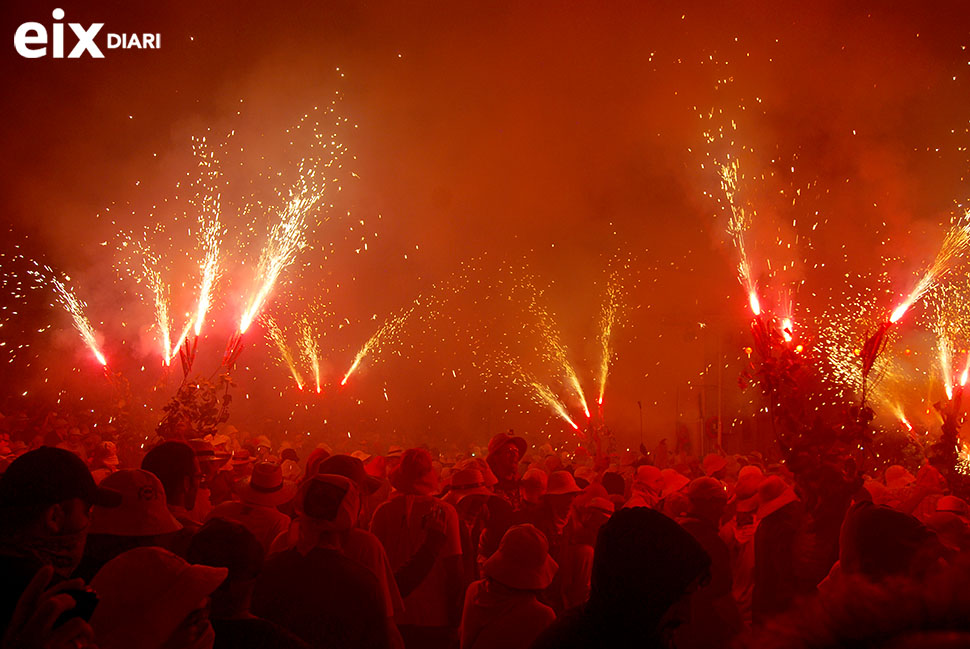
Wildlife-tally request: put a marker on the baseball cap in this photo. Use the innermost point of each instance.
(47, 476)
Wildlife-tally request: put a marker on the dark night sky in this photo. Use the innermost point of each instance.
(558, 135)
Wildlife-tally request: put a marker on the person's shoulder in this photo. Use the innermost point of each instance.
(568, 630)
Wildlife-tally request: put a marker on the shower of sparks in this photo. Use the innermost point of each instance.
(607, 322)
(285, 240)
(276, 335)
(387, 331)
(954, 246)
(738, 225)
(310, 351)
(902, 418)
(208, 203)
(946, 355)
(963, 458)
(75, 308)
(209, 270)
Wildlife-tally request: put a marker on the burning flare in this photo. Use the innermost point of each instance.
(276, 335)
(75, 308)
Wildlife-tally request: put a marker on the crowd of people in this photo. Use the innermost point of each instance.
(231, 541)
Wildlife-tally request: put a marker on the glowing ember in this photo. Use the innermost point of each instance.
(787, 327)
(945, 365)
(75, 307)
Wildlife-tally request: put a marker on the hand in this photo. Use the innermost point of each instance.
(31, 626)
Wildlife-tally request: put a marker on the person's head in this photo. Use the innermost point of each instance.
(351, 468)
(415, 474)
(266, 486)
(877, 542)
(504, 452)
(561, 491)
(45, 501)
(715, 466)
(176, 466)
(226, 544)
(650, 478)
(707, 499)
(143, 510)
(533, 485)
(327, 506)
(522, 561)
(153, 599)
(644, 564)
(614, 483)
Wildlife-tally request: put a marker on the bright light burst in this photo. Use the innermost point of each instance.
(310, 351)
(389, 330)
(607, 321)
(738, 225)
(954, 246)
(75, 308)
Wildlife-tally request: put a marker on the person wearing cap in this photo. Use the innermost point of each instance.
(313, 589)
(551, 518)
(432, 609)
(226, 544)
(104, 461)
(175, 464)
(149, 598)
(504, 452)
(142, 519)
(645, 571)
(45, 501)
(738, 534)
(259, 496)
(648, 486)
(503, 611)
(779, 543)
(576, 557)
(358, 543)
(714, 614)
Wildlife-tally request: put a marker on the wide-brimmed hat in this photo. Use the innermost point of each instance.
(145, 594)
(143, 510)
(498, 442)
(241, 457)
(415, 474)
(953, 505)
(603, 505)
(649, 476)
(331, 501)
(534, 482)
(773, 494)
(467, 482)
(706, 489)
(898, 477)
(713, 463)
(350, 467)
(522, 560)
(674, 481)
(394, 452)
(749, 479)
(266, 486)
(561, 482)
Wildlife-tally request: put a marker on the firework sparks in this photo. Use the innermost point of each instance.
(310, 350)
(209, 270)
(285, 240)
(954, 246)
(787, 329)
(390, 328)
(546, 396)
(607, 322)
(946, 367)
(75, 308)
(738, 225)
(963, 459)
(276, 335)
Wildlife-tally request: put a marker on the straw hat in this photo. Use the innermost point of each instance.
(415, 474)
(467, 482)
(522, 560)
(351, 467)
(266, 486)
(561, 482)
(143, 510)
(713, 463)
(774, 494)
(498, 442)
(145, 594)
(331, 501)
(897, 477)
(674, 481)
